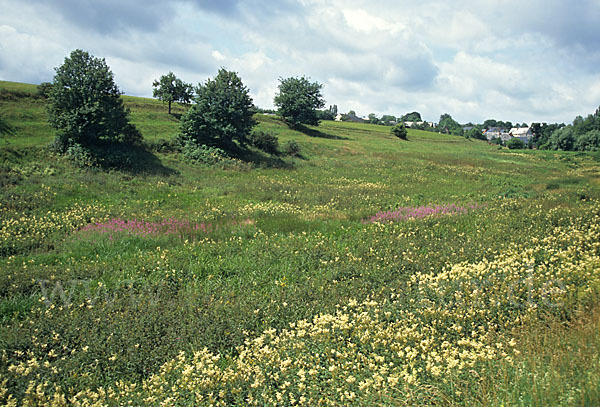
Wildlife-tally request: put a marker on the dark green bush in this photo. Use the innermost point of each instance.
(400, 131)
(267, 142)
(515, 144)
(203, 154)
(291, 148)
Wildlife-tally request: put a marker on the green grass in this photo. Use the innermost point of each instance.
(285, 241)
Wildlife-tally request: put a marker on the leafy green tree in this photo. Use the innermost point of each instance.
(400, 131)
(450, 126)
(298, 100)
(169, 88)
(477, 133)
(563, 139)
(412, 117)
(222, 112)
(373, 119)
(589, 141)
(387, 119)
(85, 105)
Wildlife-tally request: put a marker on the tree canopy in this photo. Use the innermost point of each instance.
(169, 88)
(448, 125)
(412, 117)
(222, 112)
(298, 100)
(85, 104)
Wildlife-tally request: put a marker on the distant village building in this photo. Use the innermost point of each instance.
(523, 133)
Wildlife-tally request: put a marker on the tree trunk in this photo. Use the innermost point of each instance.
(169, 107)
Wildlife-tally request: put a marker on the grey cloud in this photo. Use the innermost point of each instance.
(107, 16)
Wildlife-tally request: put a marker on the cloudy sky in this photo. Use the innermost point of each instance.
(535, 60)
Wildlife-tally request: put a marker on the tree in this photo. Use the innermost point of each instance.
(412, 117)
(171, 89)
(222, 112)
(477, 133)
(298, 100)
(388, 119)
(563, 139)
(85, 105)
(373, 119)
(400, 131)
(448, 125)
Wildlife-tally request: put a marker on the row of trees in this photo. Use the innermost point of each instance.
(86, 109)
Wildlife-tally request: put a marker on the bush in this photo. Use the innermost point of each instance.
(222, 113)
(400, 131)
(264, 141)
(515, 144)
(291, 148)
(85, 105)
(203, 154)
(80, 156)
(44, 89)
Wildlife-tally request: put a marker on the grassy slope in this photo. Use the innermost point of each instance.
(280, 231)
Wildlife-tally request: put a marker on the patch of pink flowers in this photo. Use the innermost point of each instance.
(144, 228)
(420, 212)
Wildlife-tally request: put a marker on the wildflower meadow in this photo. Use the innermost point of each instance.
(364, 271)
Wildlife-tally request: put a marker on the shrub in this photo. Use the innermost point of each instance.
(81, 156)
(44, 89)
(400, 131)
(515, 144)
(222, 113)
(203, 154)
(85, 105)
(291, 148)
(265, 141)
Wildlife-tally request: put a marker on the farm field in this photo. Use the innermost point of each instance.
(367, 271)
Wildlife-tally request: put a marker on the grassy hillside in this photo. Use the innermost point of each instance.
(268, 281)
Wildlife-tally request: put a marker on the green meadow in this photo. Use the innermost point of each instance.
(273, 280)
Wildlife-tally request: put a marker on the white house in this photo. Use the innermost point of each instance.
(521, 132)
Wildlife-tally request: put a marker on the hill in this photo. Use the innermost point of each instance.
(367, 271)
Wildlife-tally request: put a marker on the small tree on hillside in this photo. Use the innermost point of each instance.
(169, 88)
(222, 112)
(85, 105)
(400, 131)
(298, 100)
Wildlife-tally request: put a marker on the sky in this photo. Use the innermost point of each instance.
(511, 60)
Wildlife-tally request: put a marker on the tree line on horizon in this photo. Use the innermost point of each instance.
(86, 110)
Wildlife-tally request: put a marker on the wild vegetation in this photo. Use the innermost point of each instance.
(358, 269)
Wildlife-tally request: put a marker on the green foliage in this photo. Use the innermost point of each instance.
(291, 147)
(5, 128)
(449, 126)
(85, 105)
(563, 139)
(515, 144)
(476, 133)
(399, 131)
(203, 154)
(221, 114)
(265, 141)
(170, 89)
(589, 141)
(298, 100)
(412, 117)
(44, 89)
